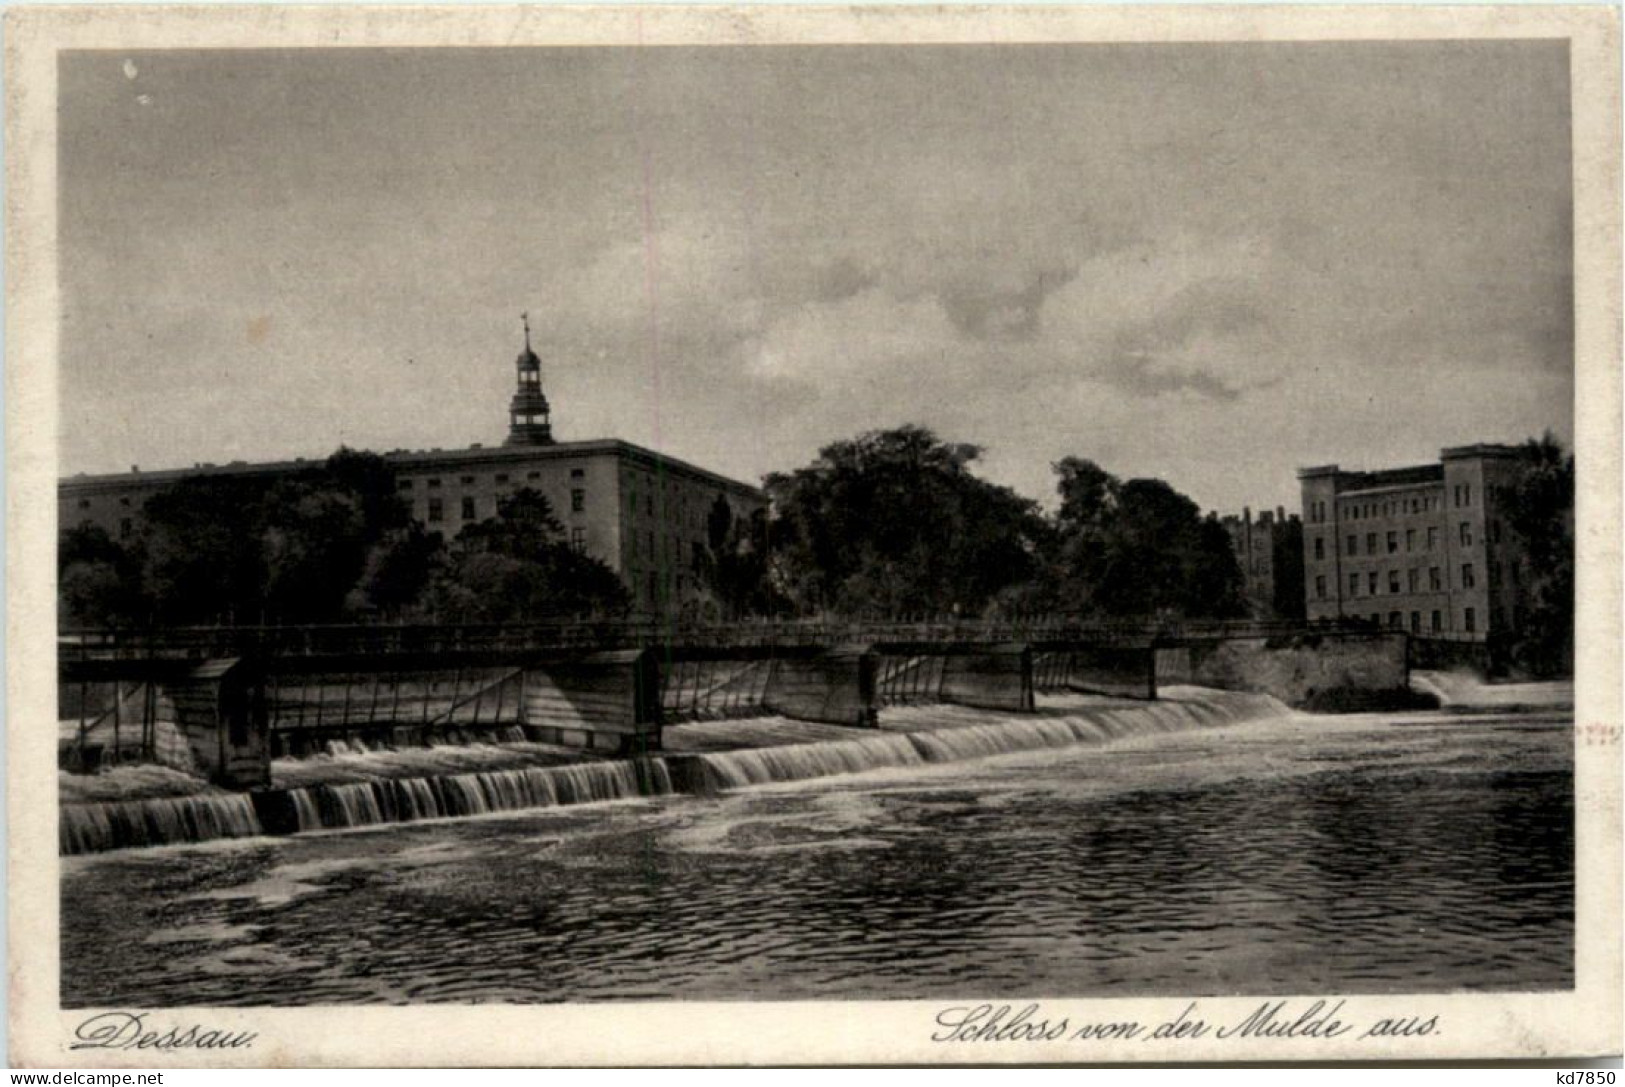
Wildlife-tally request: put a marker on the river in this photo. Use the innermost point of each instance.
(1426, 851)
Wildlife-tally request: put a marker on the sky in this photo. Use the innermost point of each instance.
(1210, 263)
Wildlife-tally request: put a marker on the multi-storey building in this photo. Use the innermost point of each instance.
(1269, 550)
(641, 512)
(1425, 548)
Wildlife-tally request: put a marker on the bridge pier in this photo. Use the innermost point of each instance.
(995, 677)
(1126, 671)
(607, 702)
(834, 686)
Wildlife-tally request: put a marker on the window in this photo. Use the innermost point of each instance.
(1495, 575)
(1414, 579)
(1354, 548)
(1469, 622)
(84, 503)
(125, 502)
(1467, 581)
(1438, 621)
(578, 538)
(1435, 582)
(468, 507)
(1395, 620)
(578, 473)
(1320, 549)
(1354, 584)
(649, 504)
(1495, 532)
(1416, 622)
(1376, 618)
(1467, 494)
(1433, 538)
(1370, 543)
(502, 478)
(578, 500)
(437, 510)
(1371, 582)
(404, 485)
(1393, 581)
(468, 481)
(533, 475)
(651, 545)
(434, 483)
(1393, 542)
(1466, 534)
(1320, 587)
(1410, 539)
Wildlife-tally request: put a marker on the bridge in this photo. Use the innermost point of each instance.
(224, 701)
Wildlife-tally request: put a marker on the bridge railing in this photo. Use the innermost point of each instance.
(285, 641)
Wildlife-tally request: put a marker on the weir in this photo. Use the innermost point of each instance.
(95, 827)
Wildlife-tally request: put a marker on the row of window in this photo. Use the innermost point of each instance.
(1410, 582)
(470, 507)
(1396, 620)
(1397, 507)
(434, 483)
(1364, 511)
(1389, 544)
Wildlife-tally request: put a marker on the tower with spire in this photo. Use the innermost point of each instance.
(529, 421)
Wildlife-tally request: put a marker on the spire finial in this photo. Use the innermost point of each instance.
(525, 317)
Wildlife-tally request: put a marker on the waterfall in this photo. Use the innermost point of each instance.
(405, 800)
(795, 762)
(119, 824)
(1001, 736)
(452, 788)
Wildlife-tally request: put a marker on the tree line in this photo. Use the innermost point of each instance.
(890, 523)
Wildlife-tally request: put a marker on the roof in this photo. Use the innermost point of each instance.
(415, 459)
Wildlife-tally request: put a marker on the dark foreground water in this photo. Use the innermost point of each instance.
(1425, 852)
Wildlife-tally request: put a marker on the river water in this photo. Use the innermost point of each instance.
(1427, 851)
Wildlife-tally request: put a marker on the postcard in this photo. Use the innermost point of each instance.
(764, 535)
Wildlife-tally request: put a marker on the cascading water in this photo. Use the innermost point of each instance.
(121, 824)
(958, 734)
(797, 762)
(405, 800)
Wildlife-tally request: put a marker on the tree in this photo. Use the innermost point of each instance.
(289, 549)
(204, 548)
(516, 567)
(98, 580)
(401, 569)
(895, 522)
(1139, 548)
(738, 564)
(1540, 513)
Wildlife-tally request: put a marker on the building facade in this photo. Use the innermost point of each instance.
(1269, 550)
(1423, 548)
(642, 513)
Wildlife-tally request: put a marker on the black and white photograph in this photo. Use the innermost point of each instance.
(993, 528)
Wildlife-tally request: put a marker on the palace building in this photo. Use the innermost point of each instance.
(1269, 551)
(1424, 549)
(642, 513)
